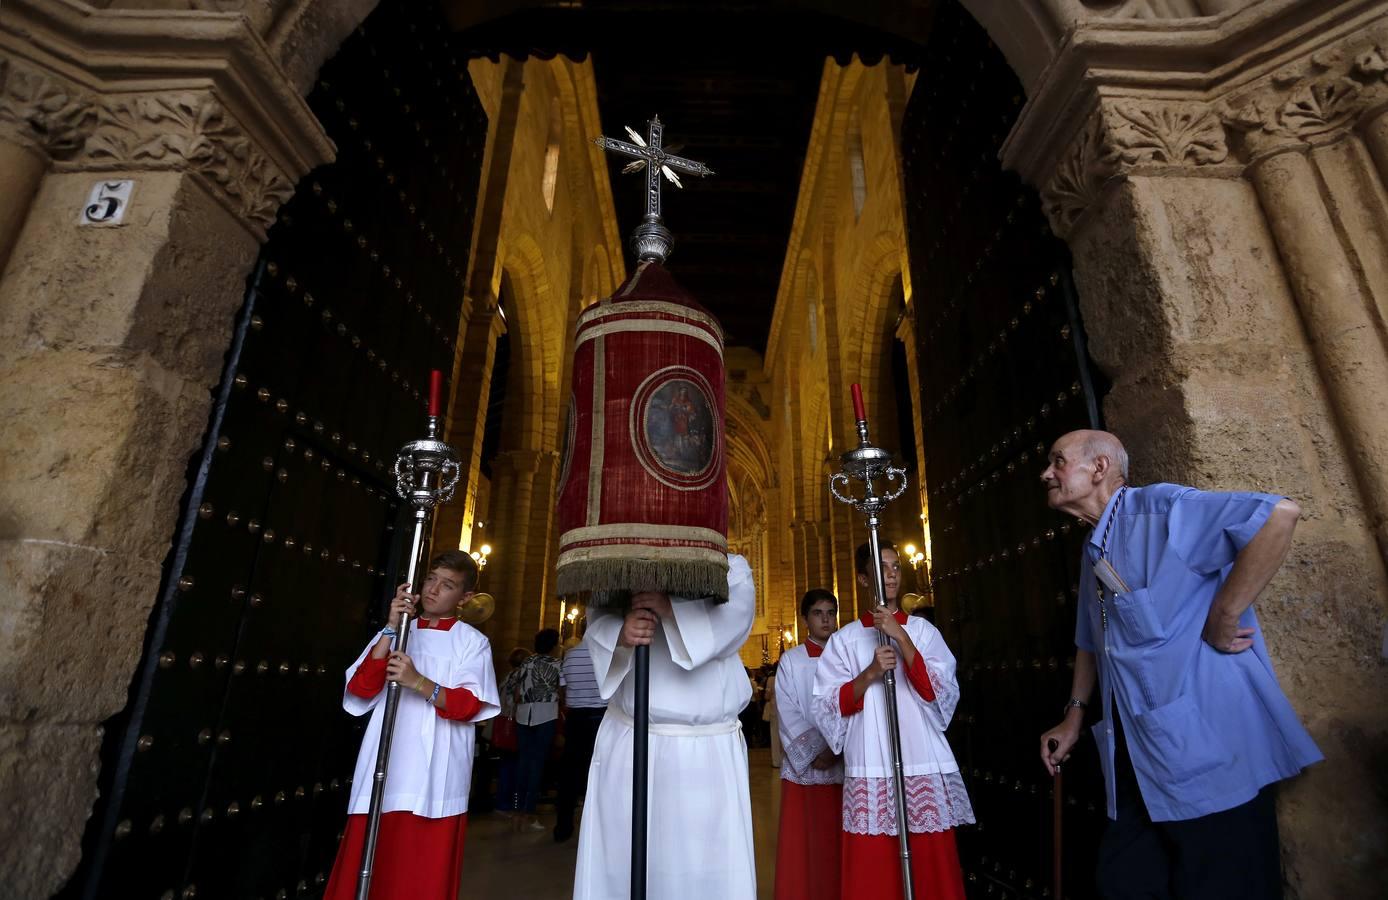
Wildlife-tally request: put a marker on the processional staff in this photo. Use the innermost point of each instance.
(650, 241)
(869, 464)
(426, 473)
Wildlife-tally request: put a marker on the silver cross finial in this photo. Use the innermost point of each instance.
(652, 240)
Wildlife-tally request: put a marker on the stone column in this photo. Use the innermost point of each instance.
(41, 118)
(800, 577)
(823, 569)
(1336, 314)
(472, 379)
(845, 532)
(111, 339)
(467, 423)
(513, 491)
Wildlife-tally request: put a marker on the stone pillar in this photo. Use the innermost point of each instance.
(845, 532)
(467, 421)
(800, 577)
(823, 569)
(1336, 314)
(41, 119)
(522, 513)
(472, 376)
(1226, 253)
(111, 339)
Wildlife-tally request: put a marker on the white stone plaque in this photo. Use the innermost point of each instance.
(107, 203)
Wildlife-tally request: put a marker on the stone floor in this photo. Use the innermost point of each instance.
(500, 863)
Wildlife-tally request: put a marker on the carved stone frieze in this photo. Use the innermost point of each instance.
(1080, 176)
(1167, 133)
(43, 111)
(190, 130)
(1314, 101)
(1123, 135)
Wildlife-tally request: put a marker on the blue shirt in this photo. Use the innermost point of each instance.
(1205, 730)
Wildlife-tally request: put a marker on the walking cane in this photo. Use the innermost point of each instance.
(426, 472)
(865, 464)
(1057, 807)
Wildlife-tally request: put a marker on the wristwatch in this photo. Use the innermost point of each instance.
(1075, 703)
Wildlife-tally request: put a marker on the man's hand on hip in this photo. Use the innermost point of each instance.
(1223, 633)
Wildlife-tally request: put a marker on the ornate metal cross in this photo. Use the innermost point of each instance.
(652, 240)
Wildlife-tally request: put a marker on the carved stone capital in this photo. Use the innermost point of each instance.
(189, 131)
(1316, 100)
(42, 111)
(1123, 136)
(1196, 96)
(194, 90)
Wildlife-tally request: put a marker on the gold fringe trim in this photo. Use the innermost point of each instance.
(610, 582)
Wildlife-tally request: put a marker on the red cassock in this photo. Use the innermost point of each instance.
(417, 858)
(871, 868)
(807, 849)
(808, 843)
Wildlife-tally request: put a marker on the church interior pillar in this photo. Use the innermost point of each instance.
(472, 385)
(513, 499)
(799, 557)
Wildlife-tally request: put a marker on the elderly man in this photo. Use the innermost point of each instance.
(1194, 730)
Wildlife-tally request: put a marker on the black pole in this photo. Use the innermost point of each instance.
(640, 760)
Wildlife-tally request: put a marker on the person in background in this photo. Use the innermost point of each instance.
(811, 827)
(583, 711)
(537, 715)
(507, 792)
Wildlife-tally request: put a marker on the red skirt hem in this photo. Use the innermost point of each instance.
(807, 846)
(872, 866)
(416, 858)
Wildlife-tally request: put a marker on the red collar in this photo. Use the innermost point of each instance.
(443, 624)
(898, 615)
(815, 650)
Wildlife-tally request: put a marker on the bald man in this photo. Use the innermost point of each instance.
(1193, 730)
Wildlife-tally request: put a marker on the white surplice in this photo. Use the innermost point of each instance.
(801, 740)
(935, 794)
(700, 819)
(430, 769)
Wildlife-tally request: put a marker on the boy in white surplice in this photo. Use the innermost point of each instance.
(447, 685)
(850, 710)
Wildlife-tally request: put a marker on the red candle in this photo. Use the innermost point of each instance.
(435, 390)
(858, 411)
